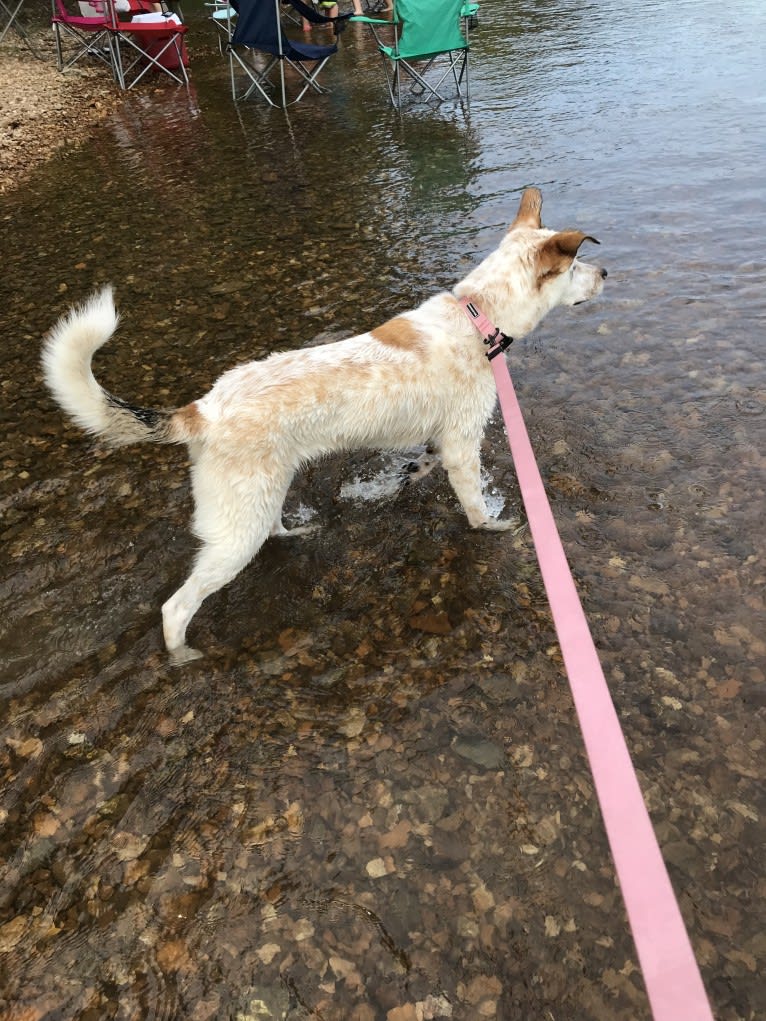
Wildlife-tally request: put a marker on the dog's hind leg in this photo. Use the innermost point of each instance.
(233, 521)
(215, 566)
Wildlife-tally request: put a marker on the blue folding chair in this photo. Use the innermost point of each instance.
(258, 47)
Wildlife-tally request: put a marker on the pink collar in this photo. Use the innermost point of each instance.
(491, 335)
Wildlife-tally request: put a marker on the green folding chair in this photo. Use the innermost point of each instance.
(429, 51)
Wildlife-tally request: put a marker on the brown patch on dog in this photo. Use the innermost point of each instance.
(188, 422)
(557, 254)
(400, 333)
(529, 211)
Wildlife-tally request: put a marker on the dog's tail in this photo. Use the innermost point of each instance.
(67, 354)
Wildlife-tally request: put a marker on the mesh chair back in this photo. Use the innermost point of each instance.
(66, 17)
(429, 27)
(258, 26)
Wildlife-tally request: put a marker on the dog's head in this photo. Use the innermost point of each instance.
(555, 265)
(533, 271)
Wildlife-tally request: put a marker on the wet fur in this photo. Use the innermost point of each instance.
(421, 377)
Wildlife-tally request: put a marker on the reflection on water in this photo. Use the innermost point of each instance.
(370, 800)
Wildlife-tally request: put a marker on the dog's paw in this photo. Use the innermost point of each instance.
(498, 524)
(413, 471)
(298, 530)
(183, 654)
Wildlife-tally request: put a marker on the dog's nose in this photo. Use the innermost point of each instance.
(603, 274)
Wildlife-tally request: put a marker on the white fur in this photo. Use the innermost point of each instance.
(420, 378)
(66, 360)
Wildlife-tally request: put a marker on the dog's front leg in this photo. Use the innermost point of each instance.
(464, 472)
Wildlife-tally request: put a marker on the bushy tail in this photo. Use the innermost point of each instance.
(66, 358)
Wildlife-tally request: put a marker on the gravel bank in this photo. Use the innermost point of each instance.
(41, 109)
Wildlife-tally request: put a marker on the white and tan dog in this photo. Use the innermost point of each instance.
(420, 377)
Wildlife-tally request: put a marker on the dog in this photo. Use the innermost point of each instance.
(421, 377)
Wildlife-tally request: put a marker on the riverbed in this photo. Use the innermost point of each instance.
(370, 799)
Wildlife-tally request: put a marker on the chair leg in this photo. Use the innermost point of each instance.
(455, 77)
(430, 88)
(59, 50)
(259, 79)
(256, 78)
(89, 45)
(391, 71)
(12, 15)
(309, 77)
(14, 23)
(122, 72)
(117, 70)
(282, 83)
(231, 75)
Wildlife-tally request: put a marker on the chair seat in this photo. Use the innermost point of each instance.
(399, 54)
(150, 27)
(307, 51)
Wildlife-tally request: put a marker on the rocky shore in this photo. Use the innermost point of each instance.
(42, 109)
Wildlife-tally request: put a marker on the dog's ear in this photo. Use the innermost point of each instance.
(529, 210)
(569, 241)
(558, 252)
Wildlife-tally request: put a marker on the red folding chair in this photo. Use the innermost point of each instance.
(150, 42)
(82, 37)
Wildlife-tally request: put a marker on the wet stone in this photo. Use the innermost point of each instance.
(483, 753)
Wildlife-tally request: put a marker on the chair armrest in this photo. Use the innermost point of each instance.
(364, 20)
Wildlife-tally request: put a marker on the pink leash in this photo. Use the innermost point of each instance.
(673, 982)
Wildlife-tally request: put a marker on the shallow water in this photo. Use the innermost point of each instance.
(370, 800)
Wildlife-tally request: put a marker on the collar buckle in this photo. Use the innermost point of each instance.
(490, 334)
(501, 342)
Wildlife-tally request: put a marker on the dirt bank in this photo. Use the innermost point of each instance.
(42, 109)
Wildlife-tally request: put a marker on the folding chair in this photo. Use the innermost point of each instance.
(429, 46)
(151, 42)
(85, 37)
(258, 31)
